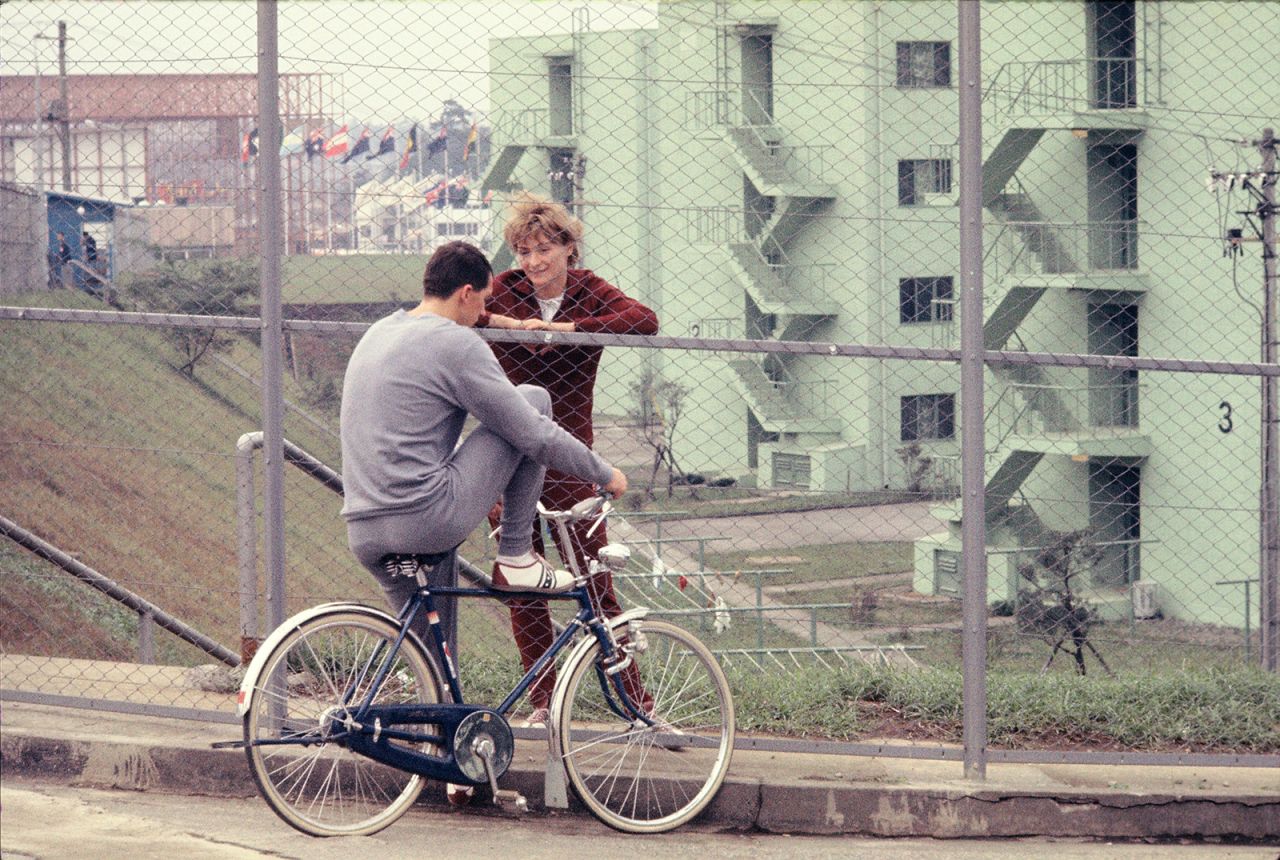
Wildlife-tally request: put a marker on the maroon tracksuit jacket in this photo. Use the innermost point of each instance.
(568, 373)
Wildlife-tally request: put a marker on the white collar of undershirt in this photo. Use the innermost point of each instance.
(549, 307)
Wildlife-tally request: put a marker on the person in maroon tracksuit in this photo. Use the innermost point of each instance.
(545, 293)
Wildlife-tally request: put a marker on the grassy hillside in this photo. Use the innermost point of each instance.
(110, 454)
(352, 278)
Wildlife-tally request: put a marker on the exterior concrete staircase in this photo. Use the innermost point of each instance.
(780, 172)
(775, 407)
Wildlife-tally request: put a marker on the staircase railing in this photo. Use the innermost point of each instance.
(714, 109)
(1065, 86)
(1039, 408)
(149, 615)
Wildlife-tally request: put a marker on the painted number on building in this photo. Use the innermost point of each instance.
(1225, 423)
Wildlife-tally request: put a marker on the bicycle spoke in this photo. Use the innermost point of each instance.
(328, 789)
(649, 778)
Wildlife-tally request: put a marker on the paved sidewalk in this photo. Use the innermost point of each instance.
(778, 792)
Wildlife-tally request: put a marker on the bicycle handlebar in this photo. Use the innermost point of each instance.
(596, 506)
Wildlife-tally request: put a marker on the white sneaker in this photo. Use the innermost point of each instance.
(537, 575)
(459, 795)
(538, 719)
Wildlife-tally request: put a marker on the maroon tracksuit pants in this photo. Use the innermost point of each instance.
(531, 619)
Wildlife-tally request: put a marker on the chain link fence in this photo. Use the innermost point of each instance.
(778, 184)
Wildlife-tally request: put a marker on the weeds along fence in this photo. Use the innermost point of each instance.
(959, 364)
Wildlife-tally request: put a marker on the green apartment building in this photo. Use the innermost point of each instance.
(788, 171)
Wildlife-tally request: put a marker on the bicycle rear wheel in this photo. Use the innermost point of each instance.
(636, 777)
(321, 671)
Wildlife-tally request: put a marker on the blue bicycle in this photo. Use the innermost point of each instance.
(346, 712)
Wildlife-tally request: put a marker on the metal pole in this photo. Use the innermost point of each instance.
(247, 546)
(64, 112)
(270, 250)
(39, 139)
(146, 638)
(1269, 506)
(973, 491)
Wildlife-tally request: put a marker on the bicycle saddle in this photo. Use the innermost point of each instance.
(407, 563)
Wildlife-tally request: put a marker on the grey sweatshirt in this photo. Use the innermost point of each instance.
(409, 386)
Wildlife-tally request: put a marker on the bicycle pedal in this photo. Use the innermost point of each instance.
(505, 797)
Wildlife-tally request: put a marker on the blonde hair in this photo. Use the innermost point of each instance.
(533, 215)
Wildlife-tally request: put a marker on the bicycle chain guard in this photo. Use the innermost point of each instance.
(474, 728)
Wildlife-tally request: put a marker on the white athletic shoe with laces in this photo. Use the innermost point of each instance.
(536, 575)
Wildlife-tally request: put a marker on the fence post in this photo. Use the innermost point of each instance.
(973, 459)
(1270, 508)
(146, 638)
(247, 545)
(270, 252)
(759, 609)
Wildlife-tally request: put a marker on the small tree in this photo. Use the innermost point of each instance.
(216, 286)
(1048, 605)
(917, 465)
(660, 402)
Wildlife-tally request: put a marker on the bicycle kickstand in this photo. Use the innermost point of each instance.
(484, 750)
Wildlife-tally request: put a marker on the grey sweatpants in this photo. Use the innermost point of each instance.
(484, 468)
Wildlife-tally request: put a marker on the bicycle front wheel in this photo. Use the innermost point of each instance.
(643, 778)
(319, 673)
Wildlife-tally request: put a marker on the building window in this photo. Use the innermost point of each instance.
(925, 300)
(924, 64)
(928, 416)
(924, 182)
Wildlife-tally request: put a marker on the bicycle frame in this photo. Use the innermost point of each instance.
(366, 729)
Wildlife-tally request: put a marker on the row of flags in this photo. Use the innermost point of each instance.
(339, 145)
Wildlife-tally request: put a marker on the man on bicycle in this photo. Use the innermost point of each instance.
(410, 487)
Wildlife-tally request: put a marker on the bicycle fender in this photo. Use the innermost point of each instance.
(559, 691)
(288, 626)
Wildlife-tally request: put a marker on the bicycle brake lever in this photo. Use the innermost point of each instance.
(605, 510)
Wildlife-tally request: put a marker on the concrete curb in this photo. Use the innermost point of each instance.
(790, 802)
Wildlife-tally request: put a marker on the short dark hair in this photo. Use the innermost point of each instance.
(452, 266)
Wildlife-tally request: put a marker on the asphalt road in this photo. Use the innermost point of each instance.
(43, 820)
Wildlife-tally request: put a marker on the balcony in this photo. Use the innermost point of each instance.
(777, 169)
(1089, 92)
(518, 132)
(1077, 421)
(1026, 258)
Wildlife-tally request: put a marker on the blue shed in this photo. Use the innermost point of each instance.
(88, 224)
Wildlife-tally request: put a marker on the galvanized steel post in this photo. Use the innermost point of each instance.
(270, 251)
(1270, 509)
(973, 492)
(247, 545)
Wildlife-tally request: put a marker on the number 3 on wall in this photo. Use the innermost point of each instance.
(1225, 423)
